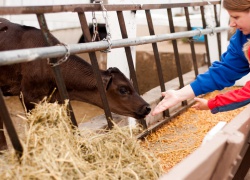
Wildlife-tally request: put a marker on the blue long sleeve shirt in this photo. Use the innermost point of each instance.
(224, 73)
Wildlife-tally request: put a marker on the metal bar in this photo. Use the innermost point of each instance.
(5, 117)
(205, 36)
(56, 69)
(191, 42)
(95, 67)
(176, 52)
(218, 34)
(8, 10)
(3, 141)
(157, 57)
(26, 55)
(155, 49)
(128, 50)
(129, 59)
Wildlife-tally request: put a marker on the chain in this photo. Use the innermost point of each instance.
(212, 23)
(95, 30)
(63, 59)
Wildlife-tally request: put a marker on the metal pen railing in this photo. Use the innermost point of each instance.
(26, 55)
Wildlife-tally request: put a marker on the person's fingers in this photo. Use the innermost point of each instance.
(160, 107)
(201, 104)
(197, 104)
(197, 107)
(170, 99)
(163, 93)
(197, 99)
(194, 106)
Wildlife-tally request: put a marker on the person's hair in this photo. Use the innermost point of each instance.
(246, 50)
(236, 5)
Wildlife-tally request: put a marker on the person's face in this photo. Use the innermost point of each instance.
(240, 20)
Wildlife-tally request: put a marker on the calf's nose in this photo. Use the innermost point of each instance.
(147, 110)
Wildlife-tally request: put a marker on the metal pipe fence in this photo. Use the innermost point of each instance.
(53, 52)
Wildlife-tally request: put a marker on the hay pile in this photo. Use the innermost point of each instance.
(54, 150)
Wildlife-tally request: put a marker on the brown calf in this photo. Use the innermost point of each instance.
(35, 79)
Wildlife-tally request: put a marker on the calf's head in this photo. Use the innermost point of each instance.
(122, 97)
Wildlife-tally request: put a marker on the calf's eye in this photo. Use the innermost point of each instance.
(124, 90)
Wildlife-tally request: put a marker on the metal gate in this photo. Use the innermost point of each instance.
(18, 56)
(91, 47)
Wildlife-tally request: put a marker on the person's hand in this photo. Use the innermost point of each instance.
(170, 99)
(201, 104)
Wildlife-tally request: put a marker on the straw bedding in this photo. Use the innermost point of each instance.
(55, 150)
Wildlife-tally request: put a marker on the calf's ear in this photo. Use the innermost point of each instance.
(107, 80)
(108, 75)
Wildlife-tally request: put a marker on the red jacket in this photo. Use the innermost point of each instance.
(230, 100)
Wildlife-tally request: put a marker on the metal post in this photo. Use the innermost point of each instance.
(176, 52)
(128, 50)
(191, 42)
(5, 118)
(157, 57)
(95, 66)
(130, 60)
(205, 36)
(218, 34)
(56, 69)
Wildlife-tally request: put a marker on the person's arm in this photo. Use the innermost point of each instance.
(225, 102)
(221, 74)
(230, 100)
(224, 73)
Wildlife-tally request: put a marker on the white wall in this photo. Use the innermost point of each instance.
(43, 2)
(54, 21)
